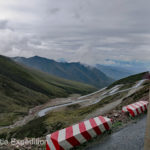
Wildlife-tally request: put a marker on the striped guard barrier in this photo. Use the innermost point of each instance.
(135, 108)
(77, 134)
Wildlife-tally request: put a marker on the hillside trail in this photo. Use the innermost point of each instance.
(108, 107)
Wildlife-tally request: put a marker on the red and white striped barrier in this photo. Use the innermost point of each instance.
(136, 108)
(77, 134)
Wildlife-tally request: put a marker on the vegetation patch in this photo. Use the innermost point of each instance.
(59, 119)
(22, 88)
(136, 96)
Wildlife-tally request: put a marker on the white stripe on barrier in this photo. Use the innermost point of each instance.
(100, 125)
(136, 108)
(130, 107)
(49, 142)
(89, 128)
(62, 139)
(109, 122)
(142, 106)
(77, 134)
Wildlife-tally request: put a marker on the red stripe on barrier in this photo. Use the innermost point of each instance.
(54, 138)
(95, 127)
(84, 132)
(144, 104)
(47, 146)
(135, 109)
(70, 138)
(131, 112)
(139, 106)
(104, 122)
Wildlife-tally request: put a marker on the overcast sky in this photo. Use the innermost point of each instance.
(89, 31)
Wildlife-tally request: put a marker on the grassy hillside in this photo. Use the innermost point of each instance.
(22, 88)
(15, 100)
(130, 80)
(71, 71)
(56, 120)
(59, 119)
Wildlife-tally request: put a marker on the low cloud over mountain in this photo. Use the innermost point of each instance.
(87, 31)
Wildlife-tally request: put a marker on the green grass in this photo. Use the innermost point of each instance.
(22, 88)
(117, 124)
(57, 120)
(126, 86)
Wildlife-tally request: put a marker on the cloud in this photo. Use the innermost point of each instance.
(54, 10)
(89, 31)
(3, 24)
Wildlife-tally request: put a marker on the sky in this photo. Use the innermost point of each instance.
(87, 31)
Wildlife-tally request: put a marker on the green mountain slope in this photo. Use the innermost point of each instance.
(71, 71)
(22, 88)
(131, 79)
(55, 120)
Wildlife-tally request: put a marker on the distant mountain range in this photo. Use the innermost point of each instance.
(132, 66)
(22, 88)
(115, 72)
(72, 71)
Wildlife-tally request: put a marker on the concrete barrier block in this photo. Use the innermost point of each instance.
(135, 108)
(77, 134)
